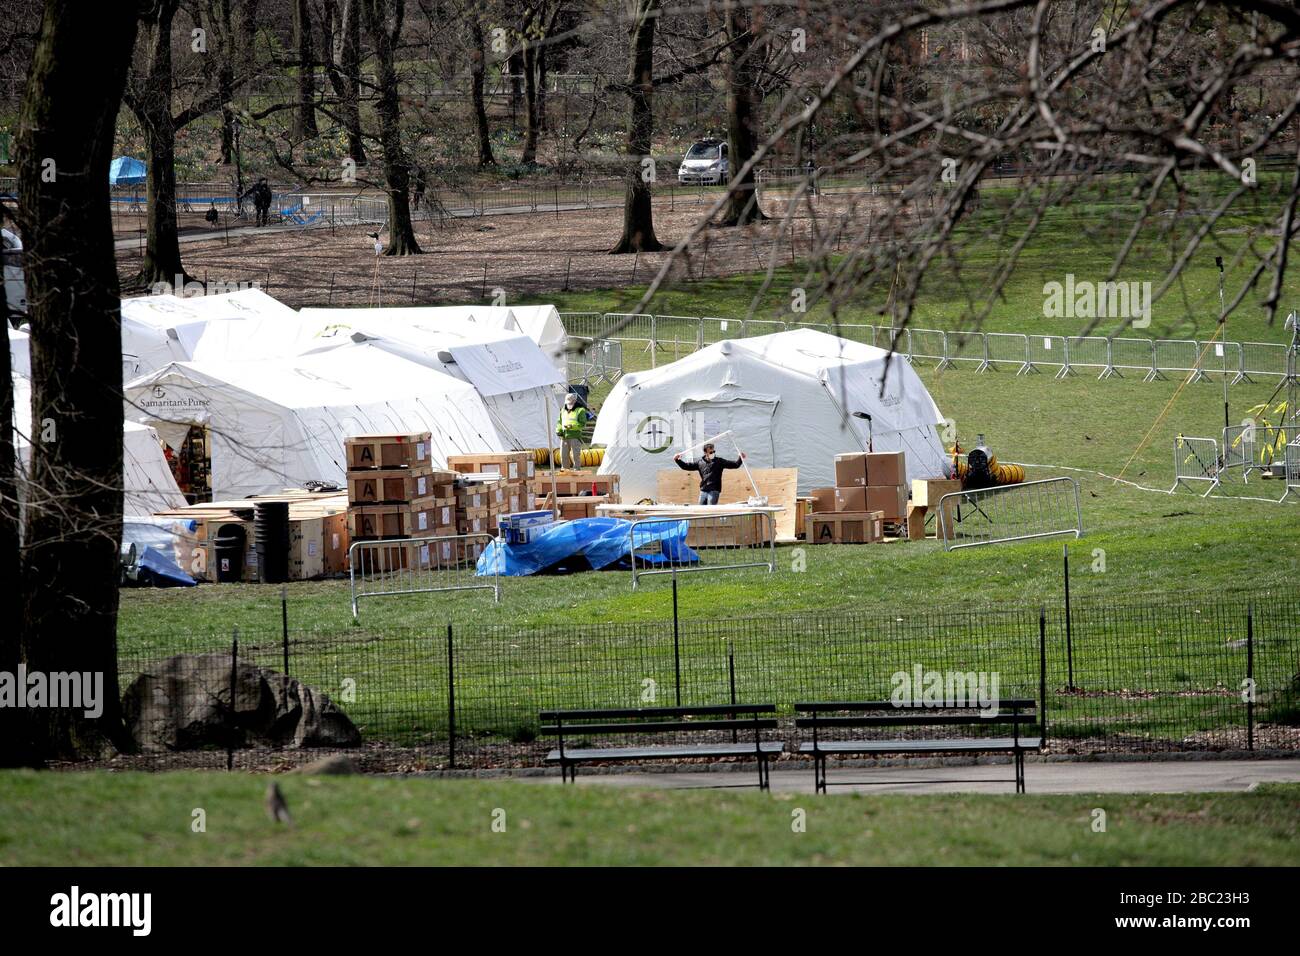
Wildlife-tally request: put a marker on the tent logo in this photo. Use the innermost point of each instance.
(654, 434)
(159, 392)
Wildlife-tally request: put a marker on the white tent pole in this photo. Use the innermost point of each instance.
(728, 434)
(550, 455)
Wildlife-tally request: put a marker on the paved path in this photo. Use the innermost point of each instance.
(1172, 776)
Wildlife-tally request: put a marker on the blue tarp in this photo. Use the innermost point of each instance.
(156, 553)
(126, 171)
(587, 544)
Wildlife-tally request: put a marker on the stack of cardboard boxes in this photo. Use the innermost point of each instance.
(577, 493)
(393, 489)
(870, 492)
(489, 486)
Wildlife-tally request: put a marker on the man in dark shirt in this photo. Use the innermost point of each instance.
(710, 468)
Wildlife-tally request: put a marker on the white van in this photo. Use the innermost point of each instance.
(705, 162)
(11, 250)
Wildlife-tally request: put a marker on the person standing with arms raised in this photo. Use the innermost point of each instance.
(710, 467)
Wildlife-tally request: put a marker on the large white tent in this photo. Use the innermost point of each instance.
(790, 400)
(280, 423)
(147, 482)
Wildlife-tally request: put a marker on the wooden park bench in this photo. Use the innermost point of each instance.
(820, 718)
(737, 731)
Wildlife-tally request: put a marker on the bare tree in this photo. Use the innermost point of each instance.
(638, 213)
(304, 127)
(743, 119)
(69, 578)
(384, 20)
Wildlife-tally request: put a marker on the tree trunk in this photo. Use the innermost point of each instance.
(68, 590)
(226, 83)
(152, 105)
(304, 124)
(742, 119)
(513, 70)
(397, 173)
(638, 213)
(351, 64)
(478, 67)
(529, 156)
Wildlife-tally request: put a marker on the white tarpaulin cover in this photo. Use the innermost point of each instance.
(280, 423)
(788, 399)
(507, 365)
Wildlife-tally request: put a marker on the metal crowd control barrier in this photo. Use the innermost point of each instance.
(595, 360)
(1239, 449)
(988, 350)
(706, 542)
(1196, 459)
(1292, 471)
(1005, 348)
(1034, 509)
(386, 567)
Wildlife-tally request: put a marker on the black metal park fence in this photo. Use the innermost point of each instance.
(1181, 673)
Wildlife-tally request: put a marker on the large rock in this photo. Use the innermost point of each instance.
(184, 704)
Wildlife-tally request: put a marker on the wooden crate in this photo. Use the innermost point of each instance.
(420, 518)
(569, 483)
(845, 527)
(393, 485)
(511, 465)
(388, 451)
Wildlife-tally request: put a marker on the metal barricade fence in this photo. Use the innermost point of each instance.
(598, 360)
(929, 345)
(1023, 512)
(1196, 459)
(386, 567)
(680, 335)
(754, 327)
(1263, 358)
(1239, 449)
(716, 330)
(1221, 358)
(1087, 352)
(966, 347)
(866, 334)
(1178, 355)
(1047, 350)
(584, 325)
(1135, 355)
(721, 541)
(1006, 348)
(1292, 470)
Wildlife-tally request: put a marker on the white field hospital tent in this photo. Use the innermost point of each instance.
(147, 481)
(517, 381)
(790, 400)
(280, 423)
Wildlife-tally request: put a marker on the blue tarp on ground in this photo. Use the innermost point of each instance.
(587, 544)
(126, 171)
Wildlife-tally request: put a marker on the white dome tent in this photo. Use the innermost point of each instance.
(790, 400)
(280, 423)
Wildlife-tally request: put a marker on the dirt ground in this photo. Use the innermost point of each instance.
(467, 259)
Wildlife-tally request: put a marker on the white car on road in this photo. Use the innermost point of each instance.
(705, 162)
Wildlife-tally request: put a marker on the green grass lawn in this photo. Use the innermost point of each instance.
(131, 819)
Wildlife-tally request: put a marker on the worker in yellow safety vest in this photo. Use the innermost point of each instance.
(568, 428)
